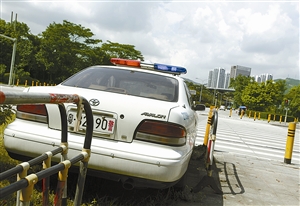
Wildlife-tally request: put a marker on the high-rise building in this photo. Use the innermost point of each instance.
(209, 80)
(263, 78)
(269, 77)
(258, 79)
(227, 80)
(216, 78)
(239, 70)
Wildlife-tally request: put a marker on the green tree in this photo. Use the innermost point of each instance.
(294, 105)
(124, 51)
(265, 96)
(239, 84)
(65, 49)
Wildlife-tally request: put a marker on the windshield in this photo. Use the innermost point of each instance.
(129, 82)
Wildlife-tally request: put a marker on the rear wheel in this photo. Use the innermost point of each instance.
(181, 184)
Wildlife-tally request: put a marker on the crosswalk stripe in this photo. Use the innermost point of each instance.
(248, 138)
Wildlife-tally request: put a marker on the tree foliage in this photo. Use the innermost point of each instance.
(124, 51)
(65, 49)
(266, 96)
(6, 114)
(263, 96)
(294, 97)
(58, 52)
(239, 84)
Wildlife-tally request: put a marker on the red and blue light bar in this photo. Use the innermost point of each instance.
(152, 66)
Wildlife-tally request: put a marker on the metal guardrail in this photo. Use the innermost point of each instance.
(25, 183)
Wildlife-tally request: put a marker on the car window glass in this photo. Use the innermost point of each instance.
(188, 95)
(129, 82)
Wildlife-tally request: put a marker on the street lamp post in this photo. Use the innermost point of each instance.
(12, 58)
(12, 63)
(201, 88)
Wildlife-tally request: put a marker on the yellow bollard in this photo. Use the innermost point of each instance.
(274, 117)
(249, 114)
(230, 113)
(242, 114)
(32, 83)
(205, 141)
(254, 117)
(25, 83)
(36, 84)
(269, 118)
(280, 119)
(258, 116)
(17, 82)
(290, 143)
(44, 83)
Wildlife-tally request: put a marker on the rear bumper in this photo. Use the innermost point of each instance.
(147, 164)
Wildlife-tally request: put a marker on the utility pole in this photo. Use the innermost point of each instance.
(13, 56)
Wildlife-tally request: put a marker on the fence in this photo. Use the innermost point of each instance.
(25, 183)
(33, 83)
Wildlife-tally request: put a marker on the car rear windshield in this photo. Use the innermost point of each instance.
(142, 84)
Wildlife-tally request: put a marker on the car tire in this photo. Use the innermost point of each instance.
(182, 183)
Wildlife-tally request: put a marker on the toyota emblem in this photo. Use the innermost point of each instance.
(94, 102)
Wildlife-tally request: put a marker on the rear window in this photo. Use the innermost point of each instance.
(128, 82)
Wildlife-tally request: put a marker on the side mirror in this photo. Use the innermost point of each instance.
(199, 107)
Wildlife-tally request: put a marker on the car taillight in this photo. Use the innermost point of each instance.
(161, 132)
(33, 112)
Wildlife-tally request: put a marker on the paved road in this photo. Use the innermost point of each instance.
(258, 139)
(249, 165)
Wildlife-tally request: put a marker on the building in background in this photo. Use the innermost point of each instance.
(263, 78)
(209, 79)
(217, 78)
(258, 79)
(239, 70)
(227, 80)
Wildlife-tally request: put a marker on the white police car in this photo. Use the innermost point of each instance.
(144, 123)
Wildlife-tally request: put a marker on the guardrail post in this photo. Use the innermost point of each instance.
(26, 193)
(290, 143)
(208, 180)
(61, 184)
(20, 175)
(46, 181)
(207, 126)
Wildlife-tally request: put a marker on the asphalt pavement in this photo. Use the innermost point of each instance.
(242, 179)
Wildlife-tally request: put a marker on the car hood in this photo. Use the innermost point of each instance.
(128, 111)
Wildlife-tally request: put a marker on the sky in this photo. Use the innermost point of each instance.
(198, 35)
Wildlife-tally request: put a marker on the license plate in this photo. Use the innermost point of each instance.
(102, 124)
